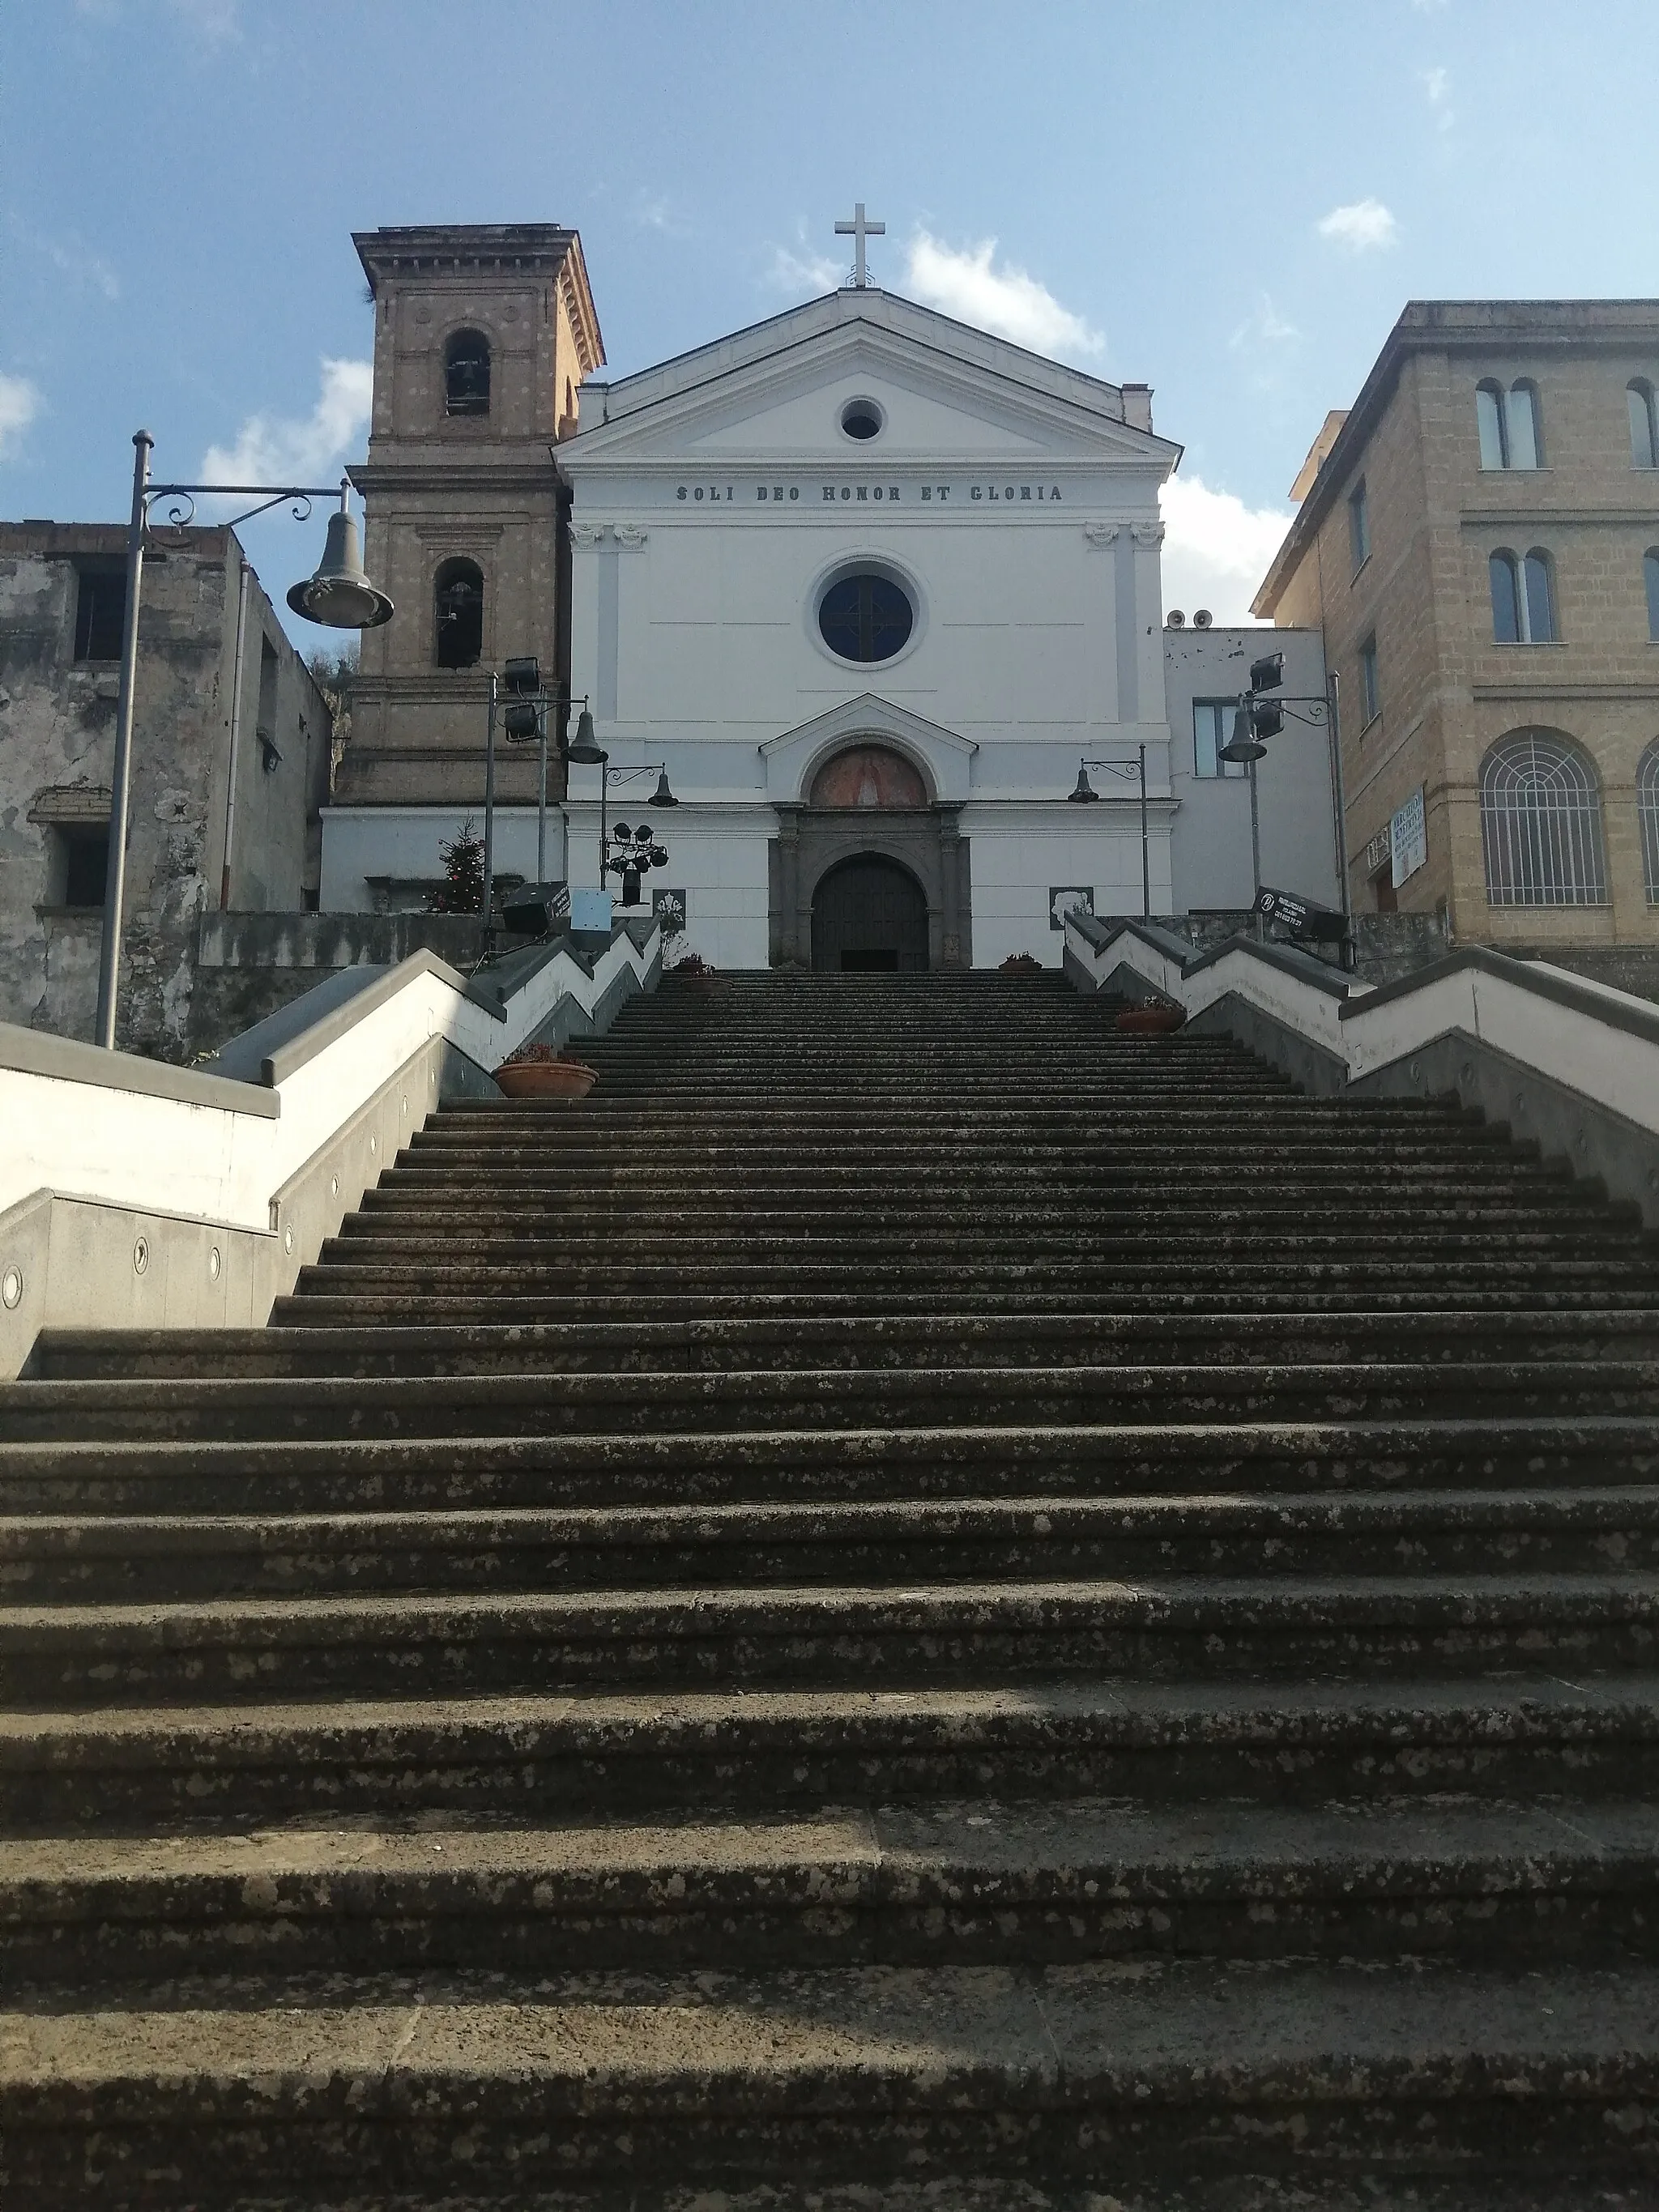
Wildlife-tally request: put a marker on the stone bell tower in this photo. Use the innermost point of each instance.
(482, 335)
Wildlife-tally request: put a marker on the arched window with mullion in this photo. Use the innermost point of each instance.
(1508, 423)
(1522, 598)
(1647, 812)
(1644, 424)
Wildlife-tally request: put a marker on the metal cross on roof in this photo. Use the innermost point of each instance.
(858, 229)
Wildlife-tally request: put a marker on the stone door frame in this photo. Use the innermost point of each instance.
(925, 840)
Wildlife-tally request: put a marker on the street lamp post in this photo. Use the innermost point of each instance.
(1085, 794)
(338, 594)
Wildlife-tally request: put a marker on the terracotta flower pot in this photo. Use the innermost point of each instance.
(545, 1078)
(1150, 1020)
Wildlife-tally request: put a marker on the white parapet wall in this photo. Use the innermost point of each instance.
(1566, 1063)
(133, 1193)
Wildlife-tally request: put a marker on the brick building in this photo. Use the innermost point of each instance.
(1479, 539)
(231, 754)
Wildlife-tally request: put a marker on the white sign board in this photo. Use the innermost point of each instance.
(1408, 838)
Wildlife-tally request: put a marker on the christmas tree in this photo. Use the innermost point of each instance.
(462, 889)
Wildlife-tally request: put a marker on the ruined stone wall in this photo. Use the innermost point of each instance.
(57, 715)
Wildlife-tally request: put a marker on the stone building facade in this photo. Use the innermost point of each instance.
(1479, 539)
(231, 756)
(482, 335)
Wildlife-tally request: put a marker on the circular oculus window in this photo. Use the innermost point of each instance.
(861, 418)
(865, 617)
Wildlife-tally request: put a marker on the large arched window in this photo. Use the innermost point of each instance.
(1647, 812)
(466, 374)
(1511, 434)
(457, 612)
(1522, 598)
(1644, 424)
(1541, 823)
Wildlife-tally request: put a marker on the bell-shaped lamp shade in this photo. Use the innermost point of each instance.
(586, 751)
(1242, 745)
(663, 796)
(1085, 791)
(339, 595)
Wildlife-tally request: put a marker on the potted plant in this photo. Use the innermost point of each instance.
(1020, 963)
(541, 1071)
(1152, 1017)
(695, 972)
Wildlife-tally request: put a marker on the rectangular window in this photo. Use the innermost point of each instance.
(1371, 693)
(1359, 526)
(1212, 725)
(86, 863)
(100, 606)
(1650, 577)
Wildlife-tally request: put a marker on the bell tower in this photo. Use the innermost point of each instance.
(483, 336)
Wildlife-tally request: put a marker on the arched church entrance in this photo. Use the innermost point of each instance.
(868, 871)
(869, 917)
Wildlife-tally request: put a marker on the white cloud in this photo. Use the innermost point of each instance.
(1437, 82)
(967, 283)
(69, 258)
(272, 449)
(1363, 227)
(19, 402)
(1264, 325)
(802, 272)
(660, 213)
(215, 22)
(1216, 550)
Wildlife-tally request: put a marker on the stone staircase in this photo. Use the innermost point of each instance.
(915, 1608)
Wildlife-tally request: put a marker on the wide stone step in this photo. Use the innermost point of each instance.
(418, 1180)
(369, 1307)
(1160, 1460)
(590, 1404)
(527, 1287)
(962, 1883)
(1155, 1628)
(1517, 1733)
(847, 2073)
(792, 1339)
(79, 1559)
(556, 1220)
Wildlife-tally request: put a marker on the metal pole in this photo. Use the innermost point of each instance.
(604, 826)
(1255, 858)
(115, 874)
(490, 807)
(1333, 689)
(1146, 850)
(541, 795)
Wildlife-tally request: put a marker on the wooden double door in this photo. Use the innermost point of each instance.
(870, 915)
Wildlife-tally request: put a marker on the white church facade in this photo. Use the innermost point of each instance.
(866, 586)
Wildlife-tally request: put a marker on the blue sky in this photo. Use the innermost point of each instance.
(1229, 202)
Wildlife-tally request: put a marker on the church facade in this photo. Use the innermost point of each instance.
(867, 585)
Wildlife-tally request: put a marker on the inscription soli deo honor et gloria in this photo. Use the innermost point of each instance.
(886, 495)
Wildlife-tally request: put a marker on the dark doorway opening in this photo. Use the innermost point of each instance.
(869, 916)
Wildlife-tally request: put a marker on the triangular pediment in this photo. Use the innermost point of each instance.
(794, 758)
(777, 393)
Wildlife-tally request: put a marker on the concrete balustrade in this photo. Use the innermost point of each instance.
(1567, 1064)
(133, 1194)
